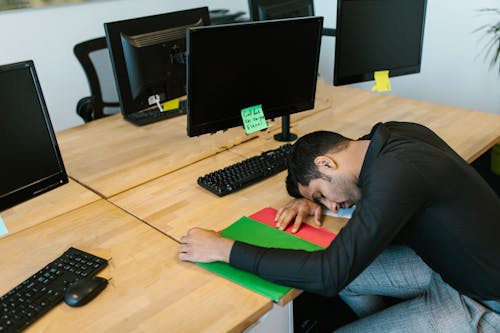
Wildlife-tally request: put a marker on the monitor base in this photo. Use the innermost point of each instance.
(285, 137)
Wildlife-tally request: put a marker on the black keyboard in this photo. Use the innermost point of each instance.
(153, 115)
(247, 172)
(42, 291)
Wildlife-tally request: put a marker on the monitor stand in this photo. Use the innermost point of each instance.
(285, 134)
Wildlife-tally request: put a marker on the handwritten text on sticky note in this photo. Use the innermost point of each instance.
(253, 119)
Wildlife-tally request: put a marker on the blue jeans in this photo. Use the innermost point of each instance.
(428, 304)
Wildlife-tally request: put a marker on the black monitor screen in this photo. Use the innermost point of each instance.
(374, 35)
(148, 57)
(31, 161)
(261, 10)
(268, 63)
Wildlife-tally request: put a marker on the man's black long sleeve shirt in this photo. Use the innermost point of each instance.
(415, 190)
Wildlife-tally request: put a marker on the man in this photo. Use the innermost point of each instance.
(425, 230)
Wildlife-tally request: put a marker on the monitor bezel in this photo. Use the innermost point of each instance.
(29, 191)
(339, 80)
(134, 26)
(254, 6)
(220, 125)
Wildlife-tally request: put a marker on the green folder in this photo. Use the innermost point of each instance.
(256, 233)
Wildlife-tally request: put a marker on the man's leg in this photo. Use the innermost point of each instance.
(431, 304)
(396, 272)
(439, 309)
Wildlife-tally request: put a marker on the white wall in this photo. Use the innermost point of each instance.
(453, 71)
(47, 36)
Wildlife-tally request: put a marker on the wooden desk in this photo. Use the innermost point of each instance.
(110, 155)
(150, 289)
(138, 171)
(174, 203)
(46, 206)
(354, 111)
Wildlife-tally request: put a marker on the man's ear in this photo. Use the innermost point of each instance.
(324, 163)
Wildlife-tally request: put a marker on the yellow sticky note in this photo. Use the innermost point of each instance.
(171, 105)
(381, 81)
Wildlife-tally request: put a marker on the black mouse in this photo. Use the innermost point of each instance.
(83, 291)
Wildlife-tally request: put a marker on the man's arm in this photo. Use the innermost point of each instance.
(297, 211)
(202, 245)
(376, 221)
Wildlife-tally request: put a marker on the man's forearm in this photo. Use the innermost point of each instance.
(202, 245)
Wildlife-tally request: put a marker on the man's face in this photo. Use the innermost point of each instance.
(333, 192)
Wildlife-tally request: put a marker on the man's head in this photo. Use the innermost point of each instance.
(317, 170)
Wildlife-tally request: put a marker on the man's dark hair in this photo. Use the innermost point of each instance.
(301, 167)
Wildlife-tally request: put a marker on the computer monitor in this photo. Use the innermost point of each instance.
(31, 161)
(232, 67)
(148, 57)
(261, 10)
(374, 35)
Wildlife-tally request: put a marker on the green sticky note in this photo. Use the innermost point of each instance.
(253, 119)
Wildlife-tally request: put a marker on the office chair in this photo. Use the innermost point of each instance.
(94, 57)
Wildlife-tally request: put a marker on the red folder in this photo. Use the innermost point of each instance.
(319, 236)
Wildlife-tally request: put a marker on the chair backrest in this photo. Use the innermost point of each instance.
(93, 55)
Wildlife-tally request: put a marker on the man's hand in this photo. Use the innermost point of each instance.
(203, 245)
(297, 210)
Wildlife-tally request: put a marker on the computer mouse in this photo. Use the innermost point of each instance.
(83, 291)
